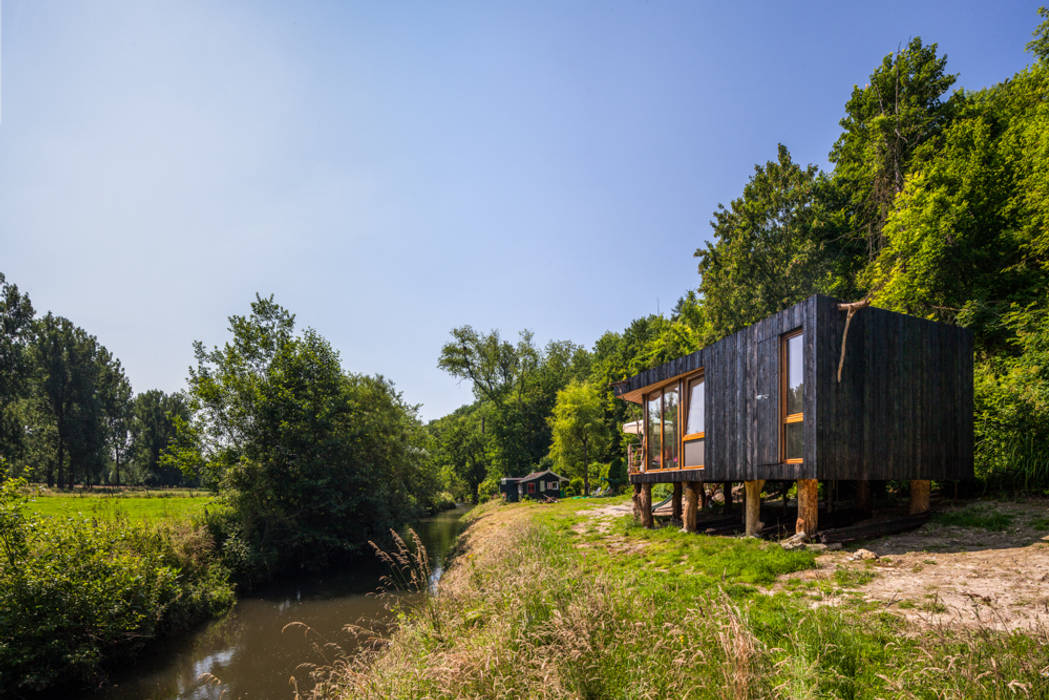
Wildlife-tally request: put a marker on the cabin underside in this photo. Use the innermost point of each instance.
(842, 504)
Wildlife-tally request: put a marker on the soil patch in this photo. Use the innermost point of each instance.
(958, 574)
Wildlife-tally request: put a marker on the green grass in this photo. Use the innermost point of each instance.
(545, 604)
(136, 506)
(980, 516)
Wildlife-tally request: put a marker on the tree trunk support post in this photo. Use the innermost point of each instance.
(808, 507)
(920, 489)
(637, 502)
(693, 489)
(752, 503)
(675, 503)
(646, 505)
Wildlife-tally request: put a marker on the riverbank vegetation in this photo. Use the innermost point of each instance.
(555, 601)
(79, 592)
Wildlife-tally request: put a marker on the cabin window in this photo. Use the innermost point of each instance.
(654, 429)
(531, 487)
(542, 486)
(792, 373)
(670, 434)
(695, 424)
(662, 423)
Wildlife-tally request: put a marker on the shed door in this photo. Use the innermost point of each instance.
(766, 402)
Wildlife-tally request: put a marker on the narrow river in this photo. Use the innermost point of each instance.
(247, 649)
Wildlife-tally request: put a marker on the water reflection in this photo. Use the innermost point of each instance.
(247, 648)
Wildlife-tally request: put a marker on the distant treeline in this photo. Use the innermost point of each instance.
(67, 412)
(937, 206)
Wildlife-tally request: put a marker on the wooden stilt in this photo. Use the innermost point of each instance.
(646, 505)
(693, 489)
(920, 489)
(726, 491)
(808, 507)
(863, 497)
(675, 503)
(637, 502)
(752, 503)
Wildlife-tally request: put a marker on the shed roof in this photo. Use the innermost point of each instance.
(536, 475)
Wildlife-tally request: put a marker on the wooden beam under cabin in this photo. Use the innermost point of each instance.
(752, 503)
(692, 497)
(637, 502)
(808, 507)
(675, 503)
(646, 505)
(920, 490)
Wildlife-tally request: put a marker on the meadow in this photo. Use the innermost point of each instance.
(153, 506)
(553, 601)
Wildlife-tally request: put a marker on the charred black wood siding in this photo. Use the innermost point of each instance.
(903, 409)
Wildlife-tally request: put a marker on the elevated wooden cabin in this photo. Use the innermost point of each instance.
(780, 401)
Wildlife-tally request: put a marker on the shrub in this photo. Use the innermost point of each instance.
(76, 593)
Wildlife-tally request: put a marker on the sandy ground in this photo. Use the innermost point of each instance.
(943, 574)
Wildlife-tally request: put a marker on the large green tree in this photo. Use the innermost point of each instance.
(519, 384)
(312, 461)
(16, 334)
(890, 125)
(772, 247)
(579, 430)
(79, 385)
(155, 415)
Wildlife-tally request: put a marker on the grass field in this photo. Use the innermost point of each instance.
(554, 601)
(153, 506)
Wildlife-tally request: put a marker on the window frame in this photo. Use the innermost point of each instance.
(786, 419)
(681, 385)
(686, 383)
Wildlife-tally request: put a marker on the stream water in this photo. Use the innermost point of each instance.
(247, 649)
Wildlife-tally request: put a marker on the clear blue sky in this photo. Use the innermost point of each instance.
(392, 170)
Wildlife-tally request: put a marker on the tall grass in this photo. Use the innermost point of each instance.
(536, 609)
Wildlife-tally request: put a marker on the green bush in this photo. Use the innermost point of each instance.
(77, 593)
(575, 486)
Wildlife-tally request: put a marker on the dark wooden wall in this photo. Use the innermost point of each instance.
(903, 409)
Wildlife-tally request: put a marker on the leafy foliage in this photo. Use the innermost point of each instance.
(76, 593)
(312, 461)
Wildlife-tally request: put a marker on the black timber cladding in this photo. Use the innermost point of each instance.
(903, 409)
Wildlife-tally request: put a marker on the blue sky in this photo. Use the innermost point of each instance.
(392, 170)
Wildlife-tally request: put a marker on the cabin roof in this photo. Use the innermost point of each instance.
(633, 388)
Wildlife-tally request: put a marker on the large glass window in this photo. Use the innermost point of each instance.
(670, 434)
(654, 429)
(695, 425)
(792, 369)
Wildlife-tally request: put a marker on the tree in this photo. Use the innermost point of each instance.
(312, 462)
(889, 125)
(772, 247)
(78, 385)
(155, 416)
(578, 426)
(1039, 46)
(16, 335)
(460, 451)
(519, 384)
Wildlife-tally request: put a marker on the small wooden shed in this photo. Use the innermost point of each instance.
(540, 485)
(782, 400)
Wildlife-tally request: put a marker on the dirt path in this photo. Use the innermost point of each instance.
(959, 574)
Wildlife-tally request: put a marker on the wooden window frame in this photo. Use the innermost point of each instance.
(692, 437)
(681, 385)
(784, 374)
